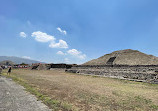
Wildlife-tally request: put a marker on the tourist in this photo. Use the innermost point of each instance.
(0, 70)
(9, 70)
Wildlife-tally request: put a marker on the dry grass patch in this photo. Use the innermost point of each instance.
(89, 93)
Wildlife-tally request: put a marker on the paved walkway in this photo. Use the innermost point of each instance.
(13, 97)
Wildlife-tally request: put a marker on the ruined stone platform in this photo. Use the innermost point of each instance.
(143, 73)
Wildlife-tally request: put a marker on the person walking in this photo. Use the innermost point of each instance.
(9, 70)
(0, 70)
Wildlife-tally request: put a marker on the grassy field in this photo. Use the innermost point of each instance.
(66, 91)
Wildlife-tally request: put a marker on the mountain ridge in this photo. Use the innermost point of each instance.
(18, 60)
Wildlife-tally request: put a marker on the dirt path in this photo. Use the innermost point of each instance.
(14, 98)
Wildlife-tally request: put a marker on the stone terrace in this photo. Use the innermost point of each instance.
(143, 73)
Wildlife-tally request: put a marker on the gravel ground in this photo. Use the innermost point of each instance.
(13, 97)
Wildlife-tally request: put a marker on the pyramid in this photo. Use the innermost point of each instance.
(125, 57)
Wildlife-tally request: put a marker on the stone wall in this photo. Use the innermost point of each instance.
(39, 66)
(144, 73)
(60, 66)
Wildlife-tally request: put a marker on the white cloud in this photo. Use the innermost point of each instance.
(26, 57)
(62, 31)
(22, 34)
(82, 56)
(76, 53)
(66, 60)
(42, 37)
(60, 53)
(60, 44)
(73, 52)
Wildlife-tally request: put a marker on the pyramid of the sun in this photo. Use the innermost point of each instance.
(125, 57)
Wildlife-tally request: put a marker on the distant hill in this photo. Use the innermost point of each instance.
(17, 60)
(125, 57)
(6, 62)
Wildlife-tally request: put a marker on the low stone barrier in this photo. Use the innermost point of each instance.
(146, 73)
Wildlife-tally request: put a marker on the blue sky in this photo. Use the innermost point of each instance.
(76, 31)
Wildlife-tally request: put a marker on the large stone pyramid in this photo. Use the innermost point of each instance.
(125, 57)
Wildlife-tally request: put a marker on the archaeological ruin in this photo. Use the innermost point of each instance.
(39, 66)
(125, 64)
